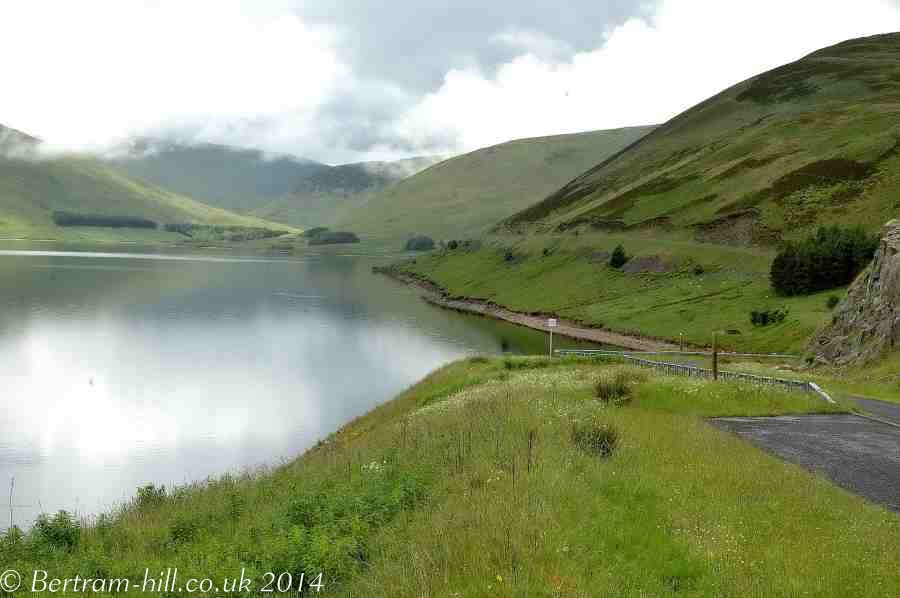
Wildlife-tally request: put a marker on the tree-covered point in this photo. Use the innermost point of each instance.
(210, 232)
(315, 231)
(333, 238)
(419, 243)
(830, 258)
(62, 218)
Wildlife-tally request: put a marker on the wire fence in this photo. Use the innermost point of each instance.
(679, 369)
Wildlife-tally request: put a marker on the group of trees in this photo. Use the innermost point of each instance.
(333, 237)
(830, 258)
(214, 232)
(419, 243)
(62, 218)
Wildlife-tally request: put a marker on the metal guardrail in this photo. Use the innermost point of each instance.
(678, 369)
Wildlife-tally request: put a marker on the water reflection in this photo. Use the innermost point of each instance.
(121, 371)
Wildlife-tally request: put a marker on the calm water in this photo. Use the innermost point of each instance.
(118, 370)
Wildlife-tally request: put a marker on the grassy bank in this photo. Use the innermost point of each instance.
(501, 477)
(683, 287)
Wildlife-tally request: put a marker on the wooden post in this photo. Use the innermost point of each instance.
(681, 338)
(715, 349)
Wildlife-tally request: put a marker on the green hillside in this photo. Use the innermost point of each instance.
(280, 188)
(811, 142)
(33, 186)
(700, 204)
(233, 178)
(467, 194)
(326, 197)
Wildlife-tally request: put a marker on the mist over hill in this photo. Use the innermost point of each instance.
(284, 188)
(35, 184)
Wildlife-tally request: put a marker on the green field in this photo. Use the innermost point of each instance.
(466, 195)
(472, 483)
(575, 281)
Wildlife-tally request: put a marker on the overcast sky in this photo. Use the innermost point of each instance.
(346, 80)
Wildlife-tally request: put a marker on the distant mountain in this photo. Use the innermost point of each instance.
(465, 195)
(227, 177)
(813, 142)
(326, 197)
(33, 186)
(279, 187)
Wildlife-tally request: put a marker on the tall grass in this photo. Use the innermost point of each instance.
(469, 484)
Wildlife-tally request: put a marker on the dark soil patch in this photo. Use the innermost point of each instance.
(823, 173)
(738, 228)
(650, 263)
(745, 165)
(569, 195)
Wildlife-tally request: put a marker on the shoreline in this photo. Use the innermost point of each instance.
(436, 295)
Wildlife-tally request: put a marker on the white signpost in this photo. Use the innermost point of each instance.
(551, 324)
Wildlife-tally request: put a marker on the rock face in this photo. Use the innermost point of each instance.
(867, 323)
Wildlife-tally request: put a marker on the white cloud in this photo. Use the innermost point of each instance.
(646, 71)
(89, 74)
(85, 74)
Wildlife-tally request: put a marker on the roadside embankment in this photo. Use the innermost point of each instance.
(434, 295)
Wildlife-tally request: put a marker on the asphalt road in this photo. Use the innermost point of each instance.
(888, 411)
(856, 453)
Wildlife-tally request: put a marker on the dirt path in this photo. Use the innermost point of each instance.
(437, 296)
(855, 453)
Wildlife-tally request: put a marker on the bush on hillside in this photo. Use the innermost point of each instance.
(595, 437)
(831, 258)
(420, 243)
(62, 531)
(767, 316)
(618, 257)
(833, 301)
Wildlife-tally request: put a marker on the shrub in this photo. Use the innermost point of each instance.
(610, 389)
(182, 530)
(616, 387)
(767, 316)
(699, 270)
(831, 258)
(595, 437)
(833, 301)
(150, 496)
(420, 243)
(509, 256)
(453, 245)
(62, 531)
(618, 257)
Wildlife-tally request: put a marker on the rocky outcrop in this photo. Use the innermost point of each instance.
(867, 323)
